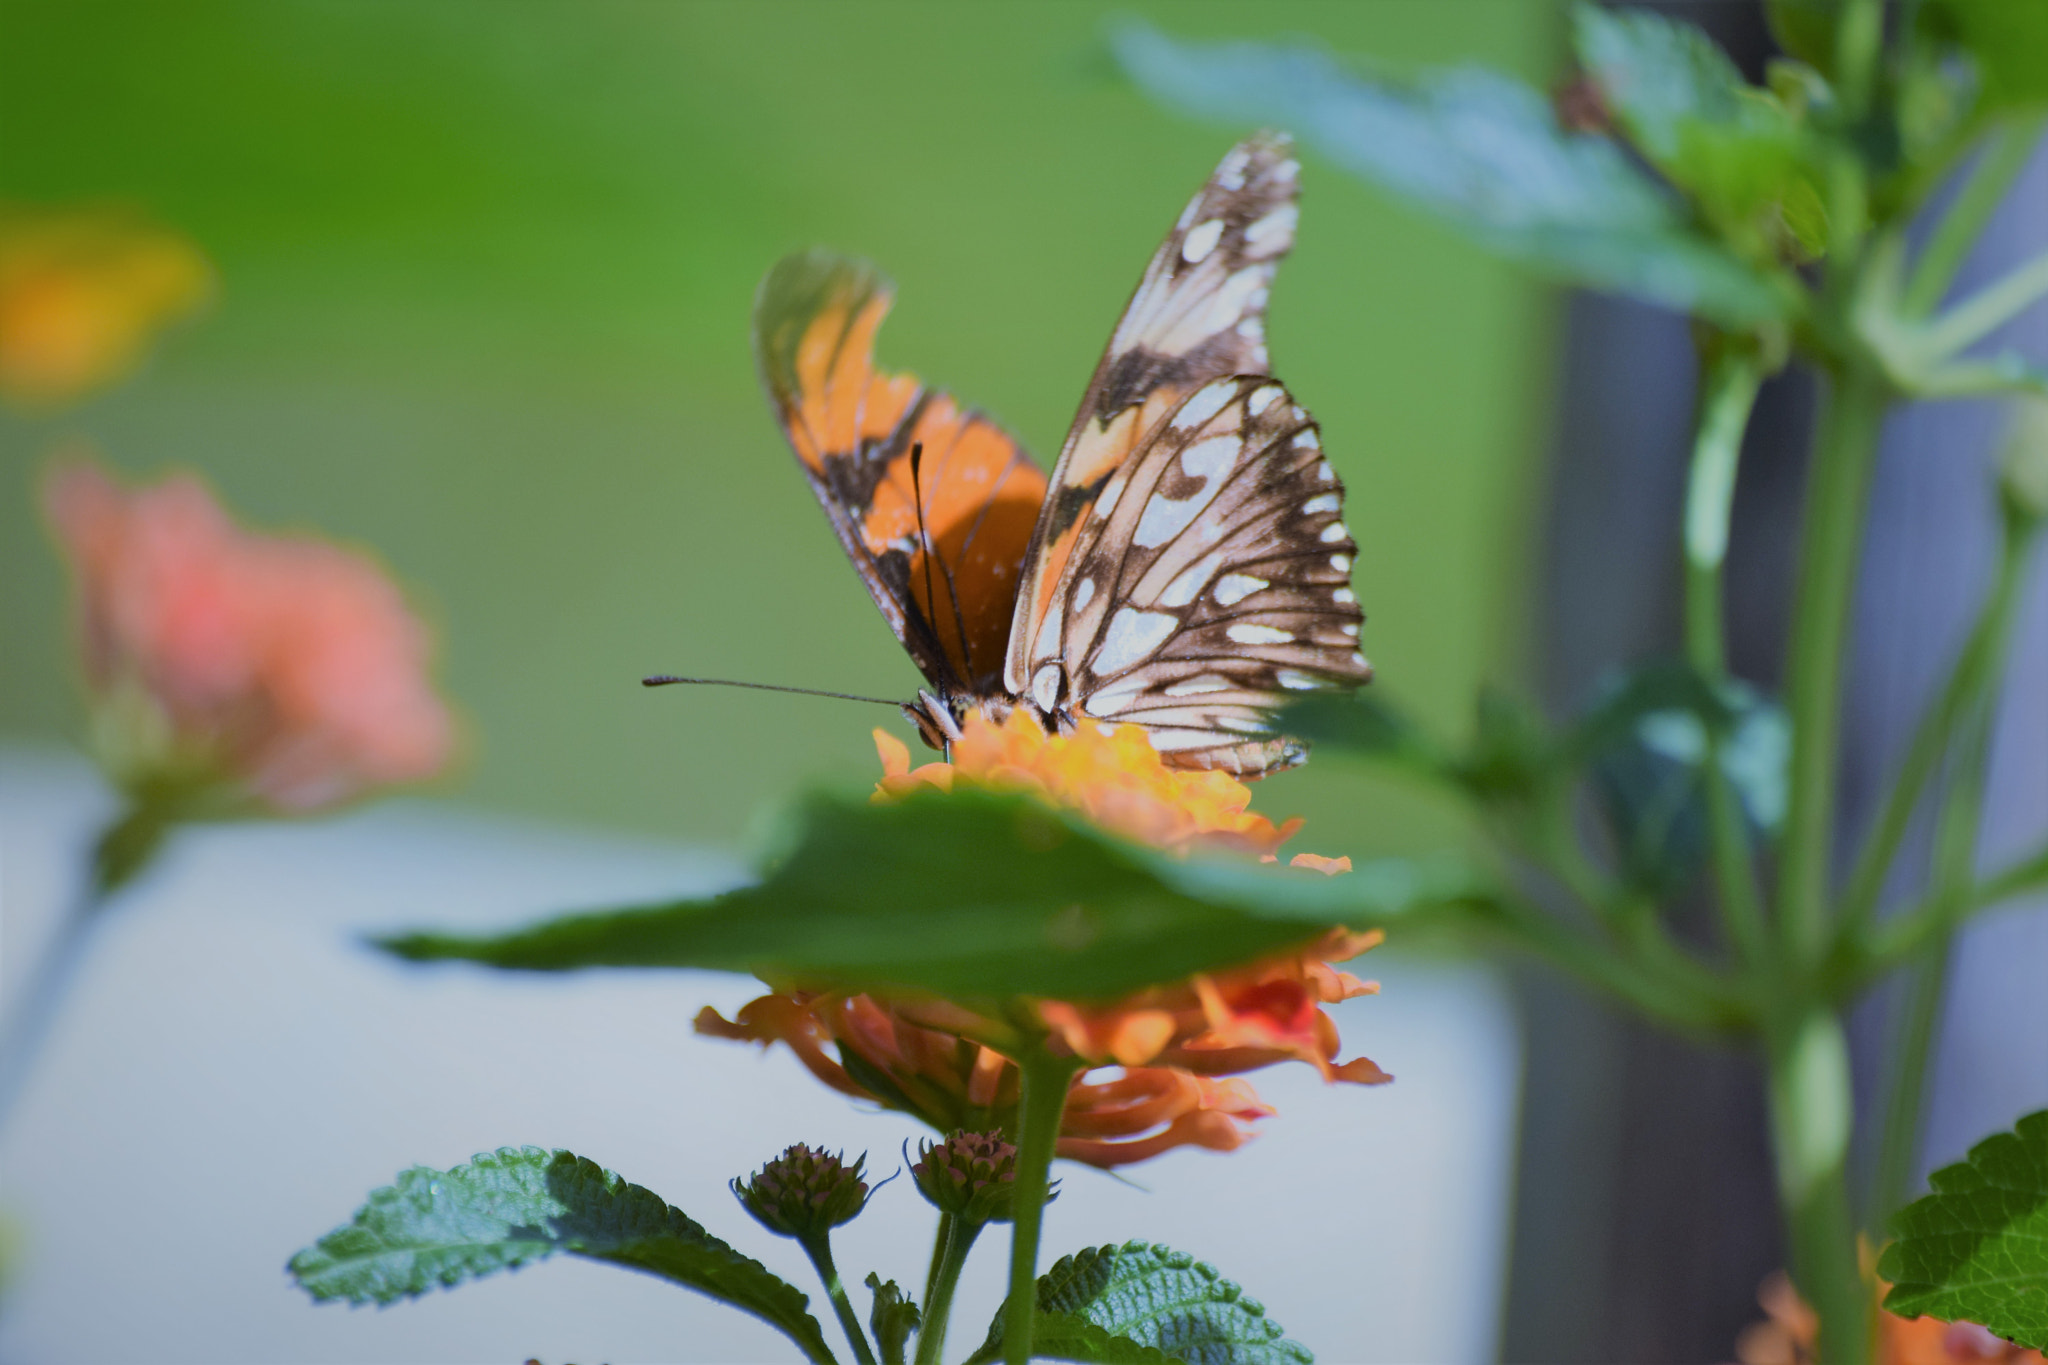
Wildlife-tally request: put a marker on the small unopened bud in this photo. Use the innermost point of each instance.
(972, 1175)
(2026, 459)
(804, 1193)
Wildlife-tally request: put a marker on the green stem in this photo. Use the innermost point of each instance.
(1974, 674)
(1837, 494)
(1728, 396)
(1810, 1120)
(1990, 307)
(122, 851)
(819, 1249)
(958, 1239)
(1955, 859)
(2004, 157)
(1040, 1106)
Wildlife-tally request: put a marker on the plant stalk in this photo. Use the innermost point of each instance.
(959, 1235)
(2003, 158)
(1989, 308)
(1039, 1109)
(1974, 674)
(1837, 496)
(124, 848)
(1728, 395)
(1811, 1113)
(1955, 865)
(819, 1249)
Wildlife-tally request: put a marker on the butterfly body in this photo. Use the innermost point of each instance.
(1184, 567)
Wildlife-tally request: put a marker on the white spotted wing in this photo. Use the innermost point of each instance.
(1198, 315)
(1208, 584)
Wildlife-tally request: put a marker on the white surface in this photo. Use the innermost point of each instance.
(233, 1073)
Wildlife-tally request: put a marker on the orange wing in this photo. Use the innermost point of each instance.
(1198, 315)
(854, 428)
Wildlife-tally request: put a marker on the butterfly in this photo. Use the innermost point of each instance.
(1185, 568)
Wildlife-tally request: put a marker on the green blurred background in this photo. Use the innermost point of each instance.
(486, 270)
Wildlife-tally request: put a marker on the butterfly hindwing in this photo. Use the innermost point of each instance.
(1208, 584)
(854, 427)
(1197, 315)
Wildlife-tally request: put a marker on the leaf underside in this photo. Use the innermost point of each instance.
(1142, 1304)
(1976, 1249)
(520, 1204)
(974, 896)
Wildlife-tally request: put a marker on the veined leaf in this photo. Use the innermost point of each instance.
(1976, 1249)
(1735, 150)
(973, 895)
(1139, 1304)
(1480, 149)
(520, 1204)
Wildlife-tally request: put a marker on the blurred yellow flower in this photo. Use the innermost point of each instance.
(1787, 1338)
(82, 292)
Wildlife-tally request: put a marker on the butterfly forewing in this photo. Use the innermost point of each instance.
(1208, 584)
(854, 429)
(1198, 315)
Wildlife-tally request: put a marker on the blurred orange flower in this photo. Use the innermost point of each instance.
(1788, 1337)
(285, 667)
(1174, 1050)
(81, 294)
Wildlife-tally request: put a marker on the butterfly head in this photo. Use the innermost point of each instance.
(938, 718)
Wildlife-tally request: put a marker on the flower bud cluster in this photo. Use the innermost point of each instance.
(805, 1192)
(971, 1175)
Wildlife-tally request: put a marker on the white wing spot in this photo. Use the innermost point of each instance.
(1243, 725)
(1344, 595)
(1132, 635)
(1297, 681)
(1245, 633)
(1111, 700)
(1083, 595)
(1240, 294)
(1323, 470)
(1205, 404)
(1351, 628)
(1111, 491)
(1273, 233)
(1262, 399)
(1334, 532)
(1322, 502)
(1164, 518)
(1169, 741)
(1252, 329)
(1189, 585)
(1230, 172)
(1045, 687)
(1359, 659)
(1341, 563)
(1048, 642)
(1194, 687)
(1233, 588)
(1204, 460)
(1287, 170)
(1200, 241)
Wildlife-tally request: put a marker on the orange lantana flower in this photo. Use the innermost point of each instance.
(1162, 1063)
(82, 292)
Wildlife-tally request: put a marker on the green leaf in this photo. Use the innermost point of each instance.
(894, 1319)
(976, 896)
(2007, 40)
(522, 1204)
(1805, 29)
(1483, 151)
(1139, 1304)
(1976, 1249)
(1738, 152)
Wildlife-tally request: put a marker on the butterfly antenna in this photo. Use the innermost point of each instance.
(931, 597)
(667, 679)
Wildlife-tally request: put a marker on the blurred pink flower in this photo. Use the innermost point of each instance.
(286, 666)
(82, 292)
